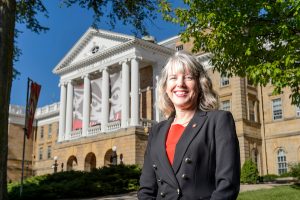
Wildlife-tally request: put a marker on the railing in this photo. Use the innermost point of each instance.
(112, 126)
(75, 134)
(47, 109)
(19, 110)
(94, 130)
(147, 123)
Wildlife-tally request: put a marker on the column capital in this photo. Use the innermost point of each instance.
(70, 81)
(104, 68)
(137, 58)
(86, 75)
(62, 83)
(124, 61)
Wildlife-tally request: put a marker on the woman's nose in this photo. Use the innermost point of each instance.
(180, 82)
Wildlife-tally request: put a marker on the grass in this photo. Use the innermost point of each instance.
(290, 192)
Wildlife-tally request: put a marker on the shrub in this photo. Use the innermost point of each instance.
(269, 177)
(249, 173)
(76, 184)
(295, 170)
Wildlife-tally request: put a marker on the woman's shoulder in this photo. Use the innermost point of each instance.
(219, 114)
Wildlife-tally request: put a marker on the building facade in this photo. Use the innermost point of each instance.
(108, 103)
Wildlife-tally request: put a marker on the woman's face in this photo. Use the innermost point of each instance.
(182, 90)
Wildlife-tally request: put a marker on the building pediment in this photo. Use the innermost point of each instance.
(93, 43)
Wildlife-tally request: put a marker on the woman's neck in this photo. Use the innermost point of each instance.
(183, 117)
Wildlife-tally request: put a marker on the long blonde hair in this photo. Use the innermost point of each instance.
(179, 62)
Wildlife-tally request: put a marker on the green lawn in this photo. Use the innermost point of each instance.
(291, 192)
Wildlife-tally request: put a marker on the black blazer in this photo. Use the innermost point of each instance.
(206, 162)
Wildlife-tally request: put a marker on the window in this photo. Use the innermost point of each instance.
(277, 109)
(225, 105)
(254, 156)
(41, 153)
(49, 130)
(224, 81)
(298, 111)
(250, 82)
(251, 110)
(49, 151)
(179, 48)
(281, 161)
(42, 132)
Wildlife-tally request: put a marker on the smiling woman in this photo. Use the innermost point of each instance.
(194, 154)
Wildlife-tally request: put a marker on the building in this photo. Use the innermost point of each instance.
(108, 93)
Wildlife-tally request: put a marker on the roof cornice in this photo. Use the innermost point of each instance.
(114, 50)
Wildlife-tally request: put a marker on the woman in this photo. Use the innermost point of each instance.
(195, 153)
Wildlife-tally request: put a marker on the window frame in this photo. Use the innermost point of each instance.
(42, 132)
(297, 111)
(229, 105)
(282, 166)
(41, 153)
(49, 152)
(179, 47)
(274, 115)
(224, 81)
(49, 130)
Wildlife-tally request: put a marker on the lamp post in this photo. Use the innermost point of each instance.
(114, 156)
(54, 166)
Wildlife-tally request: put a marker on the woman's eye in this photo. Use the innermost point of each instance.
(189, 78)
(172, 78)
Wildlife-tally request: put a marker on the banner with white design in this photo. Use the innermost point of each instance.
(95, 106)
(77, 106)
(115, 96)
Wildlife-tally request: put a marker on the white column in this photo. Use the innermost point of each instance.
(135, 85)
(62, 112)
(125, 95)
(69, 112)
(86, 105)
(157, 112)
(105, 99)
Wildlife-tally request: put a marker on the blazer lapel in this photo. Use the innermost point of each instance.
(189, 133)
(161, 152)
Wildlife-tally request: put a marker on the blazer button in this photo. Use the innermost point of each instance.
(160, 181)
(154, 166)
(184, 176)
(187, 160)
(178, 191)
(162, 194)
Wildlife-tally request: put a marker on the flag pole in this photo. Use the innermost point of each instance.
(25, 133)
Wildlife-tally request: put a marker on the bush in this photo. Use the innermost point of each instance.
(269, 178)
(76, 184)
(249, 173)
(295, 170)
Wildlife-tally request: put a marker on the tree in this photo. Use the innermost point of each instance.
(259, 39)
(249, 172)
(133, 12)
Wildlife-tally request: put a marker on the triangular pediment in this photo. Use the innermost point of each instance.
(93, 42)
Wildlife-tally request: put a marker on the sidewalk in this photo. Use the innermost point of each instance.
(132, 195)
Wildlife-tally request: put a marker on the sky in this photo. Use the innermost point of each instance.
(42, 52)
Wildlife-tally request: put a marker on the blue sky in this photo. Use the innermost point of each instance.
(42, 52)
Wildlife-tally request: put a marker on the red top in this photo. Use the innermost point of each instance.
(174, 135)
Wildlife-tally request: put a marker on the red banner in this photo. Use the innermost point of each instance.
(32, 103)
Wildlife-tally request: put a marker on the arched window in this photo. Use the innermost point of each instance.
(281, 161)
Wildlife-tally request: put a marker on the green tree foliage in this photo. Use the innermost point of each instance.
(131, 12)
(249, 173)
(254, 38)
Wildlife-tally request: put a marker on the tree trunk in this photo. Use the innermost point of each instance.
(7, 27)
